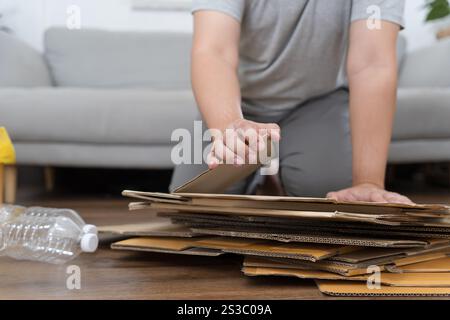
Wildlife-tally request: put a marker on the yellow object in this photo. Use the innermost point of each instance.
(7, 152)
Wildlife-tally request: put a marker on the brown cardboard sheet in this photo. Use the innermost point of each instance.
(357, 289)
(290, 203)
(254, 247)
(430, 280)
(164, 245)
(294, 227)
(380, 218)
(298, 226)
(421, 258)
(158, 229)
(314, 238)
(432, 266)
(369, 254)
(217, 180)
(344, 269)
(288, 214)
(313, 204)
(153, 196)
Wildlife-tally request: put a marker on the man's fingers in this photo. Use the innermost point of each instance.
(332, 195)
(393, 197)
(224, 154)
(274, 131)
(212, 161)
(235, 142)
(377, 196)
(344, 195)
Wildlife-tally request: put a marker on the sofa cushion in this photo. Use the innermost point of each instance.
(422, 113)
(99, 59)
(427, 67)
(127, 116)
(21, 65)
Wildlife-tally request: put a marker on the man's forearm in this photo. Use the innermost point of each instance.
(372, 110)
(216, 87)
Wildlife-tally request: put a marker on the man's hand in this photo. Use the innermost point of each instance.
(241, 142)
(368, 192)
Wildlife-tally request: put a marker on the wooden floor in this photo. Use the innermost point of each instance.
(109, 274)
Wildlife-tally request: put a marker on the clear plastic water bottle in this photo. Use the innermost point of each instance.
(44, 234)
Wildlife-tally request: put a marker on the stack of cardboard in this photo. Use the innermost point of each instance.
(342, 246)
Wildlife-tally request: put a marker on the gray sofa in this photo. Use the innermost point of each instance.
(111, 99)
(96, 98)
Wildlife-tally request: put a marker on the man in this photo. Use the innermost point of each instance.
(279, 65)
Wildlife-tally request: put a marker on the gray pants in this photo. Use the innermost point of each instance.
(315, 150)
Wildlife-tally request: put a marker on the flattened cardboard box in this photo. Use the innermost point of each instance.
(282, 226)
(164, 245)
(157, 229)
(205, 222)
(265, 248)
(441, 265)
(343, 269)
(313, 238)
(428, 280)
(207, 189)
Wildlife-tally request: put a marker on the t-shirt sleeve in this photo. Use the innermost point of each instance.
(389, 10)
(234, 8)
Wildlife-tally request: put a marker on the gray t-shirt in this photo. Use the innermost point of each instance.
(294, 50)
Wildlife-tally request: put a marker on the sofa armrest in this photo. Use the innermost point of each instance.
(21, 65)
(427, 67)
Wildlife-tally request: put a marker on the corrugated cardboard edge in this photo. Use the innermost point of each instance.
(189, 252)
(148, 229)
(307, 238)
(354, 289)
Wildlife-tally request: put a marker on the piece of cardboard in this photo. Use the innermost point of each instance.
(217, 180)
(392, 219)
(254, 247)
(289, 214)
(349, 289)
(207, 222)
(158, 229)
(429, 280)
(155, 196)
(369, 254)
(344, 269)
(313, 204)
(421, 258)
(313, 238)
(432, 266)
(211, 220)
(410, 279)
(214, 177)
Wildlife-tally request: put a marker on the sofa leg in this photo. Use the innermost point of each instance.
(49, 179)
(10, 184)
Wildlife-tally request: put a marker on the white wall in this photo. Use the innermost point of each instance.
(29, 18)
(418, 33)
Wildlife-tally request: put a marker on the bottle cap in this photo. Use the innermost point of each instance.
(90, 228)
(89, 242)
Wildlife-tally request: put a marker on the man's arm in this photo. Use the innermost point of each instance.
(215, 60)
(372, 74)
